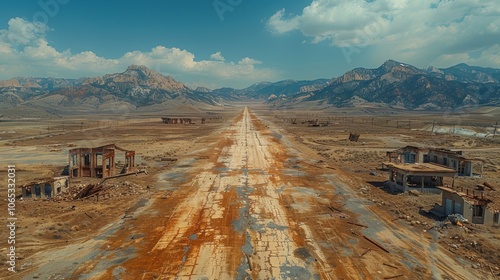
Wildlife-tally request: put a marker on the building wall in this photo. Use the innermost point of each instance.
(451, 161)
(458, 205)
(489, 218)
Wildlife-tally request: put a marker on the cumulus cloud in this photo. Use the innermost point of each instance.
(423, 30)
(217, 56)
(25, 51)
(22, 32)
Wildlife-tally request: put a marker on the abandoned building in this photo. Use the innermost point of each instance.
(425, 177)
(463, 166)
(478, 205)
(408, 154)
(454, 159)
(99, 162)
(179, 120)
(45, 188)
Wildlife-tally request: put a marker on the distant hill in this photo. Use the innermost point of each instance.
(405, 86)
(268, 90)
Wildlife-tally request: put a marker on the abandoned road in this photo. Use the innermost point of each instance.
(256, 206)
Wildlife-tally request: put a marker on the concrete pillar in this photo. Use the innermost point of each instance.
(405, 182)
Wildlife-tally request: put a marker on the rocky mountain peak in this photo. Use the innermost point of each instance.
(137, 76)
(434, 69)
(388, 65)
(202, 89)
(142, 71)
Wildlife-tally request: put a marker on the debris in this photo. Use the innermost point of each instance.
(333, 209)
(88, 215)
(390, 265)
(359, 225)
(491, 270)
(248, 261)
(488, 185)
(354, 137)
(414, 192)
(92, 190)
(364, 253)
(376, 244)
(457, 218)
(392, 277)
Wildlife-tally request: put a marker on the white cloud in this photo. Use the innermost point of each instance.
(415, 31)
(217, 56)
(22, 32)
(25, 51)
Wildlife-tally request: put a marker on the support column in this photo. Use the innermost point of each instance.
(405, 182)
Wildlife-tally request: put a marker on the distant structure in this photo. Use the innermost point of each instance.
(98, 162)
(354, 137)
(167, 120)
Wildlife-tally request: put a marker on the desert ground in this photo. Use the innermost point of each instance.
(254, 193)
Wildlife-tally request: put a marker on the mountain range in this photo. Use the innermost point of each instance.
(393, 84)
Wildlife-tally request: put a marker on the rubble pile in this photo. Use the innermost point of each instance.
(104, 191)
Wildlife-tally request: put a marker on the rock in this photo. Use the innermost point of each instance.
(414, 192)
(75, 228)
(476, 265)
(373, 173)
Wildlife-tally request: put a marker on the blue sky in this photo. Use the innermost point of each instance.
(216, 43)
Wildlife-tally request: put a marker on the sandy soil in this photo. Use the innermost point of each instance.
(251, 198)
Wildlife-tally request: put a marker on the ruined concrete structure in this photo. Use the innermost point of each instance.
(45, 188)
(478, 206)
(98, 162)
(420, 176)
(463, 166)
